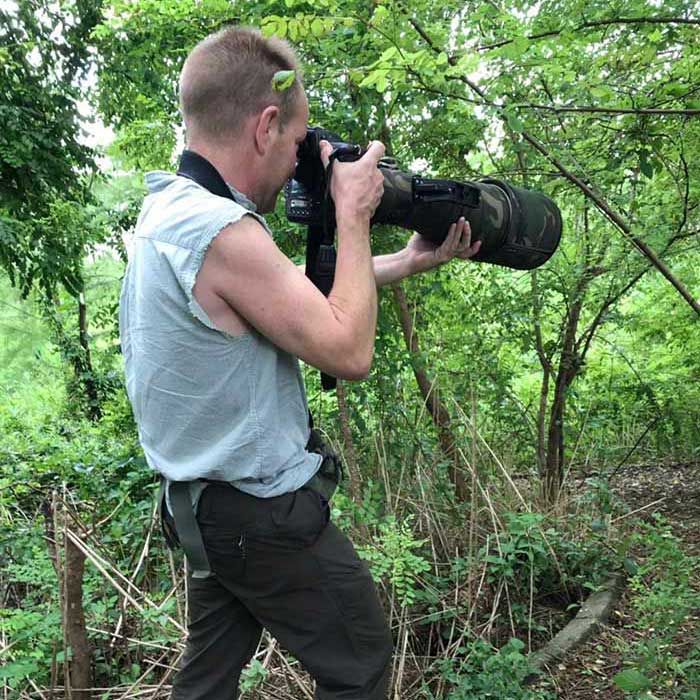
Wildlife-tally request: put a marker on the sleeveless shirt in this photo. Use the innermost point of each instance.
(207, 404)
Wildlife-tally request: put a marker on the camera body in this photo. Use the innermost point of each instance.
(518, 228)
(304, 193)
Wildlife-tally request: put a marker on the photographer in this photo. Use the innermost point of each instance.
(213, 318)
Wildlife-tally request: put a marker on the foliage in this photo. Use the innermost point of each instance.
(482, 673)
(36, 634)
(665, 597)
(45, 167)
(563, 561)
(253, 676)
(98, 469)
(520, 551)
(392, 557)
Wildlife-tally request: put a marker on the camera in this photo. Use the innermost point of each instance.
(518, 228)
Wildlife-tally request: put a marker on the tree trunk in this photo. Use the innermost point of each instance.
(85, 364)
(546, 373)
(569, 364)
(541, 422)
(428, 390)
(70, 572)
(348, 444)
(76, 353)
(74, 623)
(350, 455)
(438, 412)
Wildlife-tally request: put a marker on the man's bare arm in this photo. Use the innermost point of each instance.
(420, 255)
(244, 268)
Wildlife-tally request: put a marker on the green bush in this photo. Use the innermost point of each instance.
(482, 672)
(561, 561)
(393, 558)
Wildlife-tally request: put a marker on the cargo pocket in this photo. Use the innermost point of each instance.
(346, 581)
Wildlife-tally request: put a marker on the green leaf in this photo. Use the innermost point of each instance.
(676, 89)
(516, 48)
(369, 79)
(600, 91)
(465, 65)
(645, 166)
(631, 566)
(275, 25)
(317, 27)
(381, 13)
(514, 122)
(282, 80)
(521, 44)
(389, 53)
(631, 681)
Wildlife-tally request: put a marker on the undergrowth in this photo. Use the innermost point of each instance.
(469, 589)
(664, 661)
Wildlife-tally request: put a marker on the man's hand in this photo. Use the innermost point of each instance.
(423, 255)
(356, 186)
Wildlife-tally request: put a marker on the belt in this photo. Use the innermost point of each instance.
(186, 532)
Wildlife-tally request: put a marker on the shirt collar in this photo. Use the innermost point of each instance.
(156, 180)
(242, 199)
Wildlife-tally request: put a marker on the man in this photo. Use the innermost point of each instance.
(213, 318)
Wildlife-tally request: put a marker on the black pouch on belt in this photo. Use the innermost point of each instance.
(330, 473)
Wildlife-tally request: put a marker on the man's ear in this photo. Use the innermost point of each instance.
(266, 128)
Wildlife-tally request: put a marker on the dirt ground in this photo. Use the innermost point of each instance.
(673, 491)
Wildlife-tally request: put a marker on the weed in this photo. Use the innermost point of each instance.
(481, 672)
(392, 557)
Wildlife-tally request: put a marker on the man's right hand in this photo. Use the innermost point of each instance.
(357, 186)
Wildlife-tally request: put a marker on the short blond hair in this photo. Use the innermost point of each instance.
(228, 77)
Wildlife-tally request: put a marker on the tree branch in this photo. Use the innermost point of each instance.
(611, 110)
(598, 199)
(594, 25)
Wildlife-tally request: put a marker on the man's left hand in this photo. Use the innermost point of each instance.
(424, 255)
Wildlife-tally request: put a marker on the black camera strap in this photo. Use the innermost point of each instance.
(320, 251)
(200, 170)
(320, 241)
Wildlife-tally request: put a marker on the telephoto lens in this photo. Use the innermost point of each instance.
(518, 228)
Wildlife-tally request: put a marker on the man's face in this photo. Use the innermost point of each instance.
(283, 156)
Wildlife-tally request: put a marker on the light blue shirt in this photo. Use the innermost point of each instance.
(207, 404)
